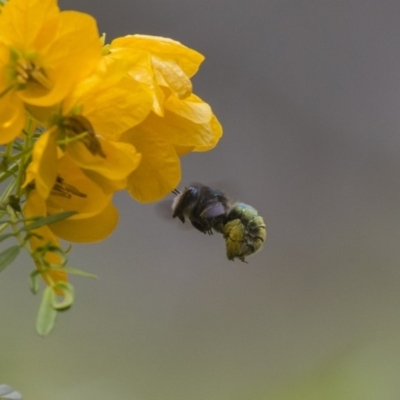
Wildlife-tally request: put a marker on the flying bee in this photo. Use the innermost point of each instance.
(210, 209)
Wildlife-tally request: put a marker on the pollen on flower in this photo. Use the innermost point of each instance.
(77, 125)
(62, 188)
(29, 72)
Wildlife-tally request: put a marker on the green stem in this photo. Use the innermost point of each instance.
(10, 171)
(14, 226)
(3, 226)
(25, 154)
(20, 154)
(8, 152)
(8, 190)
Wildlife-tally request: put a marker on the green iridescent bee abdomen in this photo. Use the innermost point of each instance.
(244, 232)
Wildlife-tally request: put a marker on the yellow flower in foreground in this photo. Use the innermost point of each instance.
(95, 216)
(43, 53)
(99, 108)
(180, 122)
(108, 167)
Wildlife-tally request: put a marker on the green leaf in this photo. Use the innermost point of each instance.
(5, 236)
(8, 256)
(67, 298)
(76, 271)
(34, 280)
(47, 314)
(37, 223)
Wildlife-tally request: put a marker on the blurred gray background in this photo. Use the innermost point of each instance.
(308, 93)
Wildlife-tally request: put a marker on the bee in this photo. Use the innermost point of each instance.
(211, 210)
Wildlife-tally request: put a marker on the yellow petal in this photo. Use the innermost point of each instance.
(119, 161)
(118, 109)
(188, 59)
(192, 108)
(12, 117)
(21, 21)
(216, 130)
(111, 100)
(67, 59)
(108, 186)
(159, 171)
(169, 74)
(87, 230)
(183, 132)
(43, 167)
(183, 150)
(85, 196)
(142, 71)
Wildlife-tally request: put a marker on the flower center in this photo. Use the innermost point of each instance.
(64, 189)
(76, 125)
(28, 72)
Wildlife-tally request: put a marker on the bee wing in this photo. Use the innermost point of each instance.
(215, 210)
(8, 393)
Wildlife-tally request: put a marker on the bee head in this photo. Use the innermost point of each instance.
(184, 202)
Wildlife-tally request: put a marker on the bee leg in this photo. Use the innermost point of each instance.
(200, 227)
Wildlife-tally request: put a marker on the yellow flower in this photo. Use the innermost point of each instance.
(72, 190)
(111, 171)
(43, 54)
(100, 107)
(180, 122)
(108, 170)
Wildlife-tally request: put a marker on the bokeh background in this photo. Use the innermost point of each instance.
(308, 93)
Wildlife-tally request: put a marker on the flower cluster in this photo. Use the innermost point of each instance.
(80, 120)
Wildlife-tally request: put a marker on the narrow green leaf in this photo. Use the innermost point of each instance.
(5, 236)
(47, 220)
(47, 314)
(68, 297)
(34, 280)
(8, 256)
(76, 271)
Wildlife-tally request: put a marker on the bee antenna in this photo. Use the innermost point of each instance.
(176, 192)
